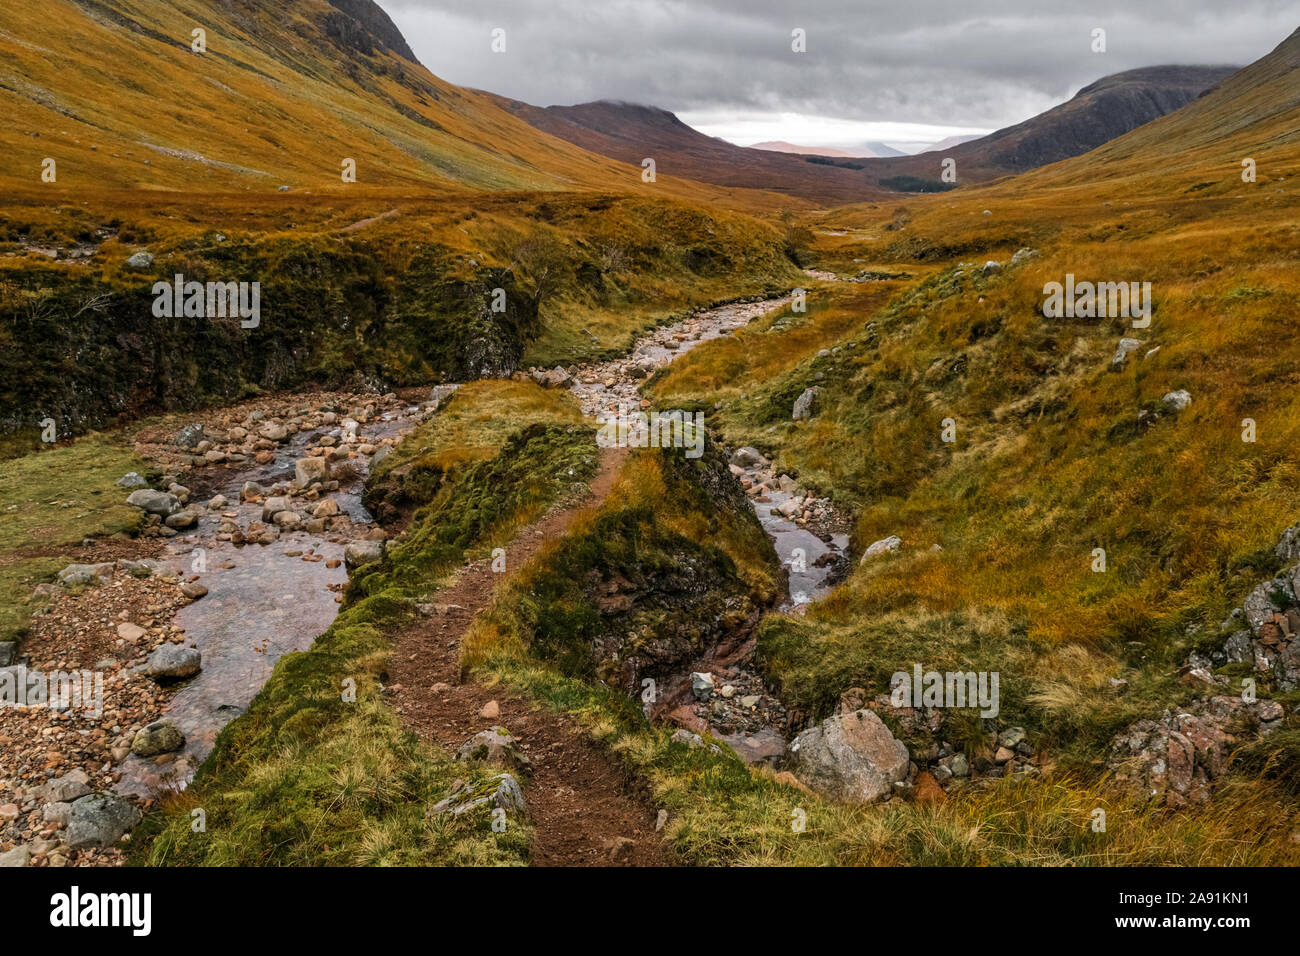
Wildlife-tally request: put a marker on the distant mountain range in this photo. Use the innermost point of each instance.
(1098, 113)
(869, 150)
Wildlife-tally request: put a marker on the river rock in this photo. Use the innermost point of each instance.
(307, 470)
(182, 519)
(153, 502)
(702, 685)
(99, 820)
(15, 858)
(173, 661)
(274, 505)
(160, 737)
(360, 553)
(746, 457)
(273, 431)
(325, 508)
(190, 436)
(850, 757)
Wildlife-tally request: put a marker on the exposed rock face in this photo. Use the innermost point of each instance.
(1177, 758)
(850, 757)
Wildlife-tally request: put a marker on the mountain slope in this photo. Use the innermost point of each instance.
(631, 132)
(111, 90)
(1112, 106)
(1098, 113)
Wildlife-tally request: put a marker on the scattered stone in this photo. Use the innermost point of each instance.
(702, 685)
(75, 574)
(805, 403)
(1178, 400)
(193, 590)
(491, 710)
(307, 470)
(15, 858)
(132, 480)
(153, 502)
(500, 791)
(358, 554)
(140, 260)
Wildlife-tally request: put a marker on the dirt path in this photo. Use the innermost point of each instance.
(586, 809)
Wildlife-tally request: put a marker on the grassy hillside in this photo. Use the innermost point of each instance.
(1058, 450)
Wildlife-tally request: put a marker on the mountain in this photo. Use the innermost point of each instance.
(112, 90)
(1098, 113)
(632, 132)
(781, 146)
(1110, 107)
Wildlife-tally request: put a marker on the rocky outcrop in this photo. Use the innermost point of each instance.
(496, 746)
(1177, 758)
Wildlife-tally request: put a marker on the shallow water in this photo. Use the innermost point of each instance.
(267, 605)
(807, 580)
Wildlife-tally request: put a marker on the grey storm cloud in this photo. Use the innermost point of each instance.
(985, 64)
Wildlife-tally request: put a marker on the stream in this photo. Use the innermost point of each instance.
(265, 601)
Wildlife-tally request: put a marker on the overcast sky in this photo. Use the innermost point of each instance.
(908, 71)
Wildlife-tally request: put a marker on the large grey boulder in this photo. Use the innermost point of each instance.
(160, 737)
(99, 820)
(173, 661)
(140, 260)
(849, 757)
(805, 404)
(153, 502)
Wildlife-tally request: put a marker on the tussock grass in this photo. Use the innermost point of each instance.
(56, 498)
